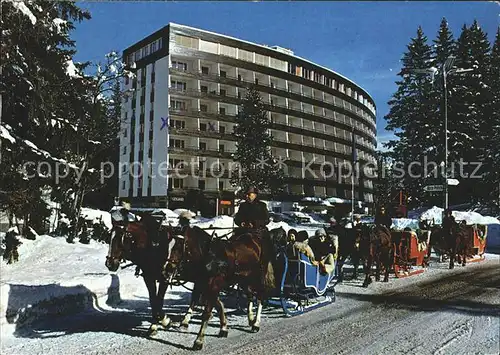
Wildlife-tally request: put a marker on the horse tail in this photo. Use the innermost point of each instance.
(269, 280)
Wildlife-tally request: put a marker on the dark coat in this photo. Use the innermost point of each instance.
(383, 219)
(252, 212)
(448, 223)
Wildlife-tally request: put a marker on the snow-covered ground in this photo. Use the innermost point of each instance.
(55, 277)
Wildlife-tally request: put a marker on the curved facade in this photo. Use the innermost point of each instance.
(188, 89)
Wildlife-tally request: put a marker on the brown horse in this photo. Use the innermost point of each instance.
(130, 241)
(454, 244)
(244, 260)
(186, 260)
(376, 242)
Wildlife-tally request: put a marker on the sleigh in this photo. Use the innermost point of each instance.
(303, 286)
(477, 242)
(410, 253)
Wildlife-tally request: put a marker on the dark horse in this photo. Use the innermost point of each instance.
(455, 244)
(349, 247)
(376, 242)
(245, 260)
(130, 241)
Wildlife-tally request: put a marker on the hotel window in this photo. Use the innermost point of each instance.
(203, 146)
(176, 143)
(186, 41)
(124, 149)
(222, 110)
(222, 92)
(221, 185)
(222, 129)
(203, 127)
(125, 133)
(221, 148)
(201, 184)
(178, 105)
(204, 88)
(223, 73)
(123, 185)
(178, 85)
(179, 65)
(178, 183)
(203, 108)
(204, 70)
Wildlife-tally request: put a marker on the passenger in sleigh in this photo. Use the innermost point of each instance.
(320, 249)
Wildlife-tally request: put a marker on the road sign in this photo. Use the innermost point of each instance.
(452, 182)
(433, 188)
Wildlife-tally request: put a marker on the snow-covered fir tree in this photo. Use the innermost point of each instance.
(257, 167)
(468, 122)
(411, 113)
(37, 80)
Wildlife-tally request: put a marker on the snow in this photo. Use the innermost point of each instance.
(5, 134)
(20, 5)
(49, 269)
(58, 23)
(95, 215)
(402, 223)
(436, 213)
(71, 69)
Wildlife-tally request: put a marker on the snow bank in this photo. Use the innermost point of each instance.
(224, 224)
(436, 213)
(54, 277)
(402, 223)
(95, 215)
(4, 133)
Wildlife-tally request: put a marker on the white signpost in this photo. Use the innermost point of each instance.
(434, 188)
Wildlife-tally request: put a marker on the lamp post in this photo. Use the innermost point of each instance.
(446, 69)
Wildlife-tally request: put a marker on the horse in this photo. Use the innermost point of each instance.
(245, 260)
(349, 246)
(454, 244)
(376, 242)
(459, 240)
(186, 261)
(131, 241)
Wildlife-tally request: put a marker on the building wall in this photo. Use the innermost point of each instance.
(312, 109)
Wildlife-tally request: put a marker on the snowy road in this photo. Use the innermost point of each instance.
(439, 312)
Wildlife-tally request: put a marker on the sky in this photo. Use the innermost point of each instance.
(363, 41)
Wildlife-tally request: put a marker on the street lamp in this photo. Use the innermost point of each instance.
(446, 69)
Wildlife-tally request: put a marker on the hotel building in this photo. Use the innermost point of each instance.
(181, 107)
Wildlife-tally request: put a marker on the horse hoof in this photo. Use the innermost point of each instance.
(184, 326)
(386, 280)
(198, 345)
(463, 264)
(165, 322)
(153, 330)
(223, 333)
(255, 328)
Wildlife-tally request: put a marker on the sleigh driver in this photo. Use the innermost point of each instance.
(252, 216)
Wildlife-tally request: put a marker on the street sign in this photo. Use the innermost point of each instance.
(452, 182)
(433, 188)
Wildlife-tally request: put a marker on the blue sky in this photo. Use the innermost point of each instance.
(363, 41)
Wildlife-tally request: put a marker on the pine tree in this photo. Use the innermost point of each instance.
(467, 121)
(255, 164)
(491, 152)
(411, 113)
(37, 98)
(444, 47)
